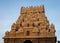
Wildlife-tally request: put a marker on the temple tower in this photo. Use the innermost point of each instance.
(32, 26)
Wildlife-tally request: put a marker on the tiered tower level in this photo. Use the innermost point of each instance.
(32, 24)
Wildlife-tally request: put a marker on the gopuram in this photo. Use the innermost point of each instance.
(32, 26)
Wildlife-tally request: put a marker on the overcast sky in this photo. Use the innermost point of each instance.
(10, 11)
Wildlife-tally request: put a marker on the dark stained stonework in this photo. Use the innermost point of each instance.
(32, 26)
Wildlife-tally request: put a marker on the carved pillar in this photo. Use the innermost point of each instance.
(5, 40)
